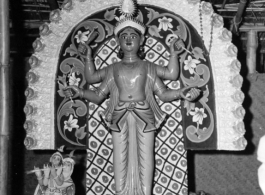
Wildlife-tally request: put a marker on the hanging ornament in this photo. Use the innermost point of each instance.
(128, 8)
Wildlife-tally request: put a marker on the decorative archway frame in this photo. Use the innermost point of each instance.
(40, 93)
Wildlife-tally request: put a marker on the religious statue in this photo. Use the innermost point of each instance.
(56, 179)
(133, 114)
(67, 186)
(52, 176)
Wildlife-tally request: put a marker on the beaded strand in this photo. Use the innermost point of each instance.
(201, 29)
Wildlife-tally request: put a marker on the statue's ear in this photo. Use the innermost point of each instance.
(142, 39)
(117, 40)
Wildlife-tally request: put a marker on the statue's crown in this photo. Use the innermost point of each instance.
(68, 159)
(128, 9)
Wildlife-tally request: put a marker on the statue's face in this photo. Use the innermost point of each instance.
(67, 166)
(129, 40)
(56, 160)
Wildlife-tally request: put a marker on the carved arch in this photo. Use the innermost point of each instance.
(40, 112)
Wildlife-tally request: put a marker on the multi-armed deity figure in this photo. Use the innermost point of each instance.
(133, 114)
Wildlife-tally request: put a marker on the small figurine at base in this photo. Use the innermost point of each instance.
(56, 179)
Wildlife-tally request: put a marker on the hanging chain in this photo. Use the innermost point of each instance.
(201, 29)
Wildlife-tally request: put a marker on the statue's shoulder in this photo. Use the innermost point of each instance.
(150, 65)
(110, 69)
(115, 65)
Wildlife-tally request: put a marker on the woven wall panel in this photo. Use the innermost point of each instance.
(235, 173)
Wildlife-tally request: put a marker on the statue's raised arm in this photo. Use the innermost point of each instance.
(171, 71)
(91, 74)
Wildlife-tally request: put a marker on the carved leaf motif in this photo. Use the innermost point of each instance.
(181, 32)
(80, 133)
(110, 15)
(71, 50)
(109, 28)
(189, 106)
(61, 88)
(62, 79)
(154, 31)
(91, 25)
(152, 14)
(140, 16)
(198, 53)
(201, 71)
(197, 134)
(77, 109)
(206, 94)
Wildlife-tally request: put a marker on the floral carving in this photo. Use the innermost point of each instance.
(198, 115)
(165, 23)
(44, 29)
(226, 35)
(240, 143)
(218, 20)
(34, 62)
(239, 112)
(238, 96)
(190, 64)
(67, 5)
(70, 124)
(237, 81)
(38, 45)
(73, 80)
(82, 37)
(30, 142)
(235, 66)
(55, 16)
(28, 125)
(32, 77)
(232, 51)
(207, 8)
(240, 128)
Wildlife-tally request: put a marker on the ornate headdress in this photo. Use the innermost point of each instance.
(56, 154)
(128, 11)
(70, 157)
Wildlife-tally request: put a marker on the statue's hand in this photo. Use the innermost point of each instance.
(46, 171)
(84, 50)
(37, 172)
(53, 171)
(72, 91)
(190, 95)
(176, 46)
(59, 170)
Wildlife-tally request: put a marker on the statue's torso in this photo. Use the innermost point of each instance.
(131, 80)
